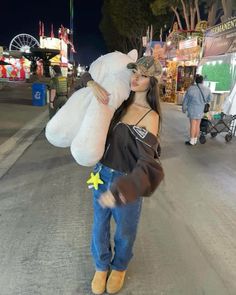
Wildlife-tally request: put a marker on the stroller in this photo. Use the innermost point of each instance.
(221, 123)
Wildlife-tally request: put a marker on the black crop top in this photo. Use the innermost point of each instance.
(123, 144)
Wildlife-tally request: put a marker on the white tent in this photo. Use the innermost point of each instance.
(229, 106)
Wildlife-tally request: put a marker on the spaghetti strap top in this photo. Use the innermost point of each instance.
(143, 116)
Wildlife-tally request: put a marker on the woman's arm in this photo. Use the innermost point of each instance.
(52, 87)
(209, 97)
(142, 181)
(99, 92)
(185, 102)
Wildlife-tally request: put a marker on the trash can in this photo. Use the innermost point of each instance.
(39, 94)
(180, 97)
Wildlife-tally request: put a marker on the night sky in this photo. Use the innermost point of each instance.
(23, 17)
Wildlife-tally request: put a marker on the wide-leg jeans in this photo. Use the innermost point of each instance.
(126, 219)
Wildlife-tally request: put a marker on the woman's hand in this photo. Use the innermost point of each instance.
(99, 92)
(107, 200)
(51, 104)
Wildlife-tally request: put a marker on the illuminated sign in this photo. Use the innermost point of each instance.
(231, 24)
(221, 39)
(50, 43)
(55, 43)
(189, 43)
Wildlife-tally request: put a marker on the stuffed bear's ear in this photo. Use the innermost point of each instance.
(133, 54)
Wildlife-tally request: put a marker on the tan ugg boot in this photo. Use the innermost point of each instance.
(115, 281)
(98, 284)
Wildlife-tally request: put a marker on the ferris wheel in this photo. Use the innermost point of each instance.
(23, 43)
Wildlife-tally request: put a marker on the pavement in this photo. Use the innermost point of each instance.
(20, 122)
(186, 244)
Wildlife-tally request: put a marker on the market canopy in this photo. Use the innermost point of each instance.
(41, 53)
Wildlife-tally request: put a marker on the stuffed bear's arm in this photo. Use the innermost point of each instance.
(82, 82)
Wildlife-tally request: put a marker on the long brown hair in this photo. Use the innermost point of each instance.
(153, 99)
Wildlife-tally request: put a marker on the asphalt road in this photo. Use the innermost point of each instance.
(16, 108)
(186, 243)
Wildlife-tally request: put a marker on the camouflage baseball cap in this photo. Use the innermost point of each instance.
(147, 65)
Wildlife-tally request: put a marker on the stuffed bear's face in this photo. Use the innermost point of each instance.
(111, 63)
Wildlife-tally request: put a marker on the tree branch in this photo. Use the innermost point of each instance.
(198, 11)
(227, 7)
(186, 15)
(212, 19)
(193, 16)
(177, 16)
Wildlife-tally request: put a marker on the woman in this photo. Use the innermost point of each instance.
(128, 170)
(194, 101)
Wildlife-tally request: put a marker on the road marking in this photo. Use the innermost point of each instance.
(14, 147)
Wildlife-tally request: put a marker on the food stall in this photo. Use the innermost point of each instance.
(183, 52)
(218, 65)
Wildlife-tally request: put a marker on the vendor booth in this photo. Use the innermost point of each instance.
(183, 52)
(218, 65)
(12, 68)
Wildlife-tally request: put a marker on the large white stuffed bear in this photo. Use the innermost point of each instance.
(83, 122)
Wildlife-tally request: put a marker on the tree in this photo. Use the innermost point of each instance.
(126, 21)
(163, 7)
(188, 10)
(183, 9)
(228, 7)
(131, 18)
(212, 6)
(113, 39)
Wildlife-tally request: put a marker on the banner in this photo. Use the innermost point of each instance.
(188, 43)
(220, 39)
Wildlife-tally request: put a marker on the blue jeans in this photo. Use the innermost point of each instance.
(126, 218)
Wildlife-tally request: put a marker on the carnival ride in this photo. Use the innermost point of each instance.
(41, 54)
(23, 42)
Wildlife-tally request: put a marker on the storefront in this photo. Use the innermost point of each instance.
(218, 65)
(181, 69)
(183, 52)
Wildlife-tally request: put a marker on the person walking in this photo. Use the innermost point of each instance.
(128, 170)
(194, 102)
(58, 91)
